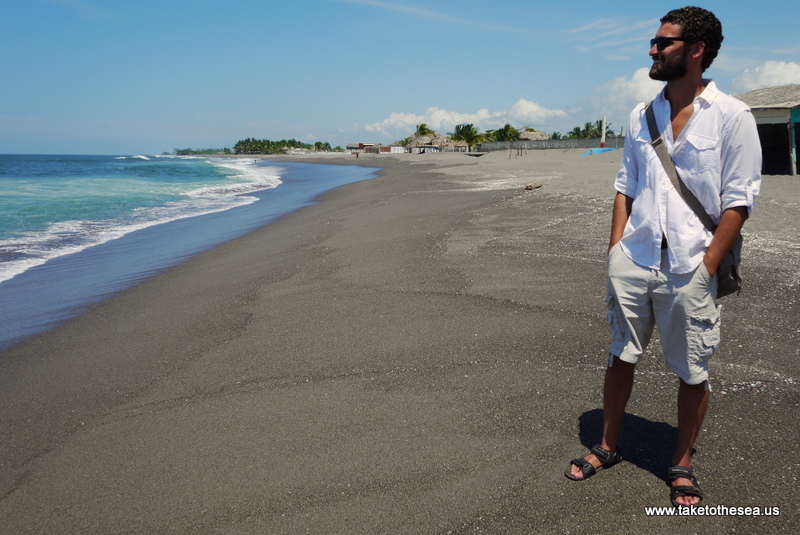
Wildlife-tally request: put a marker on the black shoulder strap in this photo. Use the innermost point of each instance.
(687, 195)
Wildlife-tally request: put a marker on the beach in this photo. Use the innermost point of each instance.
(420, 352)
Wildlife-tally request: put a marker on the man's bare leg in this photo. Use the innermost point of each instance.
(692, 407)
(617, 389)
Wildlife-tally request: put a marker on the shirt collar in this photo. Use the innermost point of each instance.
(708, 95)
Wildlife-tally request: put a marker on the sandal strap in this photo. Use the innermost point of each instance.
(685, 490)
(681, 472)
(606, 457)
(586, 467)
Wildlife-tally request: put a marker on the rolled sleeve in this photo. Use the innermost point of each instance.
(627, 176)
(741, 163)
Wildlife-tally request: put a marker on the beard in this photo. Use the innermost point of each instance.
(670, 69)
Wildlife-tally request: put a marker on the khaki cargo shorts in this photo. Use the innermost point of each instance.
(682, 306)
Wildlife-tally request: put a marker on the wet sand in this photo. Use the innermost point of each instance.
(418, 353)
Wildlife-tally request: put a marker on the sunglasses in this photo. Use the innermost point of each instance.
(663, 42)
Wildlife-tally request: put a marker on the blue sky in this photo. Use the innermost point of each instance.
(123, 77)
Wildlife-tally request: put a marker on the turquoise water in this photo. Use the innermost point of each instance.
(76, 229)
(57, 205)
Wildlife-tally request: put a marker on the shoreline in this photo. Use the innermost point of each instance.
(419, 352)
(64, 286)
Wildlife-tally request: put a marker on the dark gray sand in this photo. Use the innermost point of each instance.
(419, 353)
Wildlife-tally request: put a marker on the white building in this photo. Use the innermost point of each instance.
(777, 114)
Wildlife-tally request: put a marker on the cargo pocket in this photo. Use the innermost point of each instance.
(704, 334)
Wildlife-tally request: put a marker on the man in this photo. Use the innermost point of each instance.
(662, 260)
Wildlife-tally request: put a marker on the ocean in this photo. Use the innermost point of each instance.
(77, 229)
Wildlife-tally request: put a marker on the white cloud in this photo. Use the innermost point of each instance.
(441, 120)
(768, 74)
(396, 122)
(522, 113)
(531, 113)
(617, 97)
(613, 100)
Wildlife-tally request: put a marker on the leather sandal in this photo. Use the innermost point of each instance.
(607, 460)
(683, 472)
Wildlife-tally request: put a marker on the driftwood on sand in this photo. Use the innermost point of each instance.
(536, 184)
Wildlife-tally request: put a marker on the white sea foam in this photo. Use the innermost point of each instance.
(257, 178)
(36, 248)
(137, 157)
(73, 236)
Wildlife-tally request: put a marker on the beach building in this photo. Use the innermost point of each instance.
(777, 113)
(533, 135)
(368, 148)
(435, 143)
(364, 148)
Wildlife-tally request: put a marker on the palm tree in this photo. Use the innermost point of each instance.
(423, 130)
(466, 132)
(590, 130)
(609, 131)
(507, 133)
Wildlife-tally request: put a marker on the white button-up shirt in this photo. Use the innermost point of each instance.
(718, 157)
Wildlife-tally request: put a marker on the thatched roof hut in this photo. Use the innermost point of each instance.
(533, 135)
(435, 143)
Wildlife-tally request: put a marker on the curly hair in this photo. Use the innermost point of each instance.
(698, 24)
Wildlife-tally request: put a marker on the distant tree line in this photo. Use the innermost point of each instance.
(266, 146)
(589, 130)
(471, 136)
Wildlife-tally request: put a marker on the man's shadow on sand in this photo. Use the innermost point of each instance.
(646, 444)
